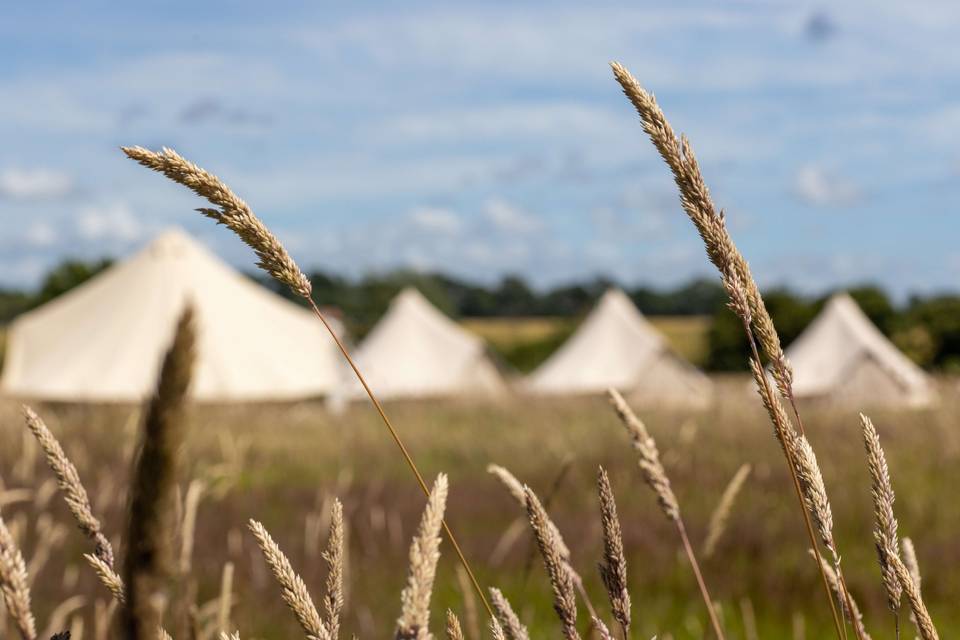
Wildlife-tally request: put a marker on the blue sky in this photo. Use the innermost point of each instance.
(490, 138)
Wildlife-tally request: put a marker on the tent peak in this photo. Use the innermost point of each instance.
(615, 295)
(415, 350)
(103, 340)
(172, 241)
(843, 305)
(409, 294)
(842, 355)
(411, 298)
(615, 346)
(842, 298)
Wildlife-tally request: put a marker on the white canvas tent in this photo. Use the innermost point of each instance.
(103, 341)
(415, 351)
(616, 347)
(842, 357)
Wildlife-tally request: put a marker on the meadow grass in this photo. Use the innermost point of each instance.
(300, 457)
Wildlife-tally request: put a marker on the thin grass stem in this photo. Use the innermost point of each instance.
(403, 450)
(714, 621)
(791, 463)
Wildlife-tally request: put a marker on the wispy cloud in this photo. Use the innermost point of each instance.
(113, 221)
(35, 184)
(524, 120)
(41, 235)
(436, 220)
(206, 110)
(483, 139)
(818, 186)
(820, 27)
(509, 218)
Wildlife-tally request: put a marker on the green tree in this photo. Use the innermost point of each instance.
(697, 297)
(12, 304)
(874, 302)
(729, 349)
(940, 316)
(66, 276)
(514, 297)
(916, 343)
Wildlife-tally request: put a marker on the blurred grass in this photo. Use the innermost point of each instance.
(298, 456)
(687, 335)
(522, 343)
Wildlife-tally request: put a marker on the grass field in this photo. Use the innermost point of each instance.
(526, 342)
(282, 464)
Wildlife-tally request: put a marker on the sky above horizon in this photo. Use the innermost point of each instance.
(490, 138)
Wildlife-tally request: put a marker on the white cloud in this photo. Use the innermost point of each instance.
(34, 184)
(114, 221)
(941, 124)
(514, 120)
(347, 175)
(41, 235)
(507, 218)
(818, 271)
(516, 41)
(436, 220)
(818, 186)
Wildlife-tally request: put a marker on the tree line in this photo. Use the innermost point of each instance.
(926, 328)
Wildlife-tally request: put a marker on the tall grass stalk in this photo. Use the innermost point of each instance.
(454, 631)
(656, 477)
(69, 483)
(613, 569)
(745, 299)
(721, 514)
(235, 214)
(414, 620)
(292, 587)
(519, 493)
(885, 529)
(14, 585)
(149, 557)
(561, 578)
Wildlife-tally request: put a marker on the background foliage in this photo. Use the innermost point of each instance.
(926, 328)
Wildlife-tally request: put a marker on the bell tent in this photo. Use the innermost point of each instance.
(415, 351)
(842, 357)
(616, 347)
(103, 340)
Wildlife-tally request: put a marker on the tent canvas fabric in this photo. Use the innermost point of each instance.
(843, 357)
(415, 351)
(103, 341)
(617, 347)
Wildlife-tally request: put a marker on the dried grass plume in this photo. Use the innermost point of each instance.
(231, 212)
(561, 578)
(721, 514)
(69, 482)
(150, 518)
(14, 582)
(414, 620)
(293, 589)
(613, 569)
(650, 463)
(509, 620)
(885, 529)
(333, 556)
(454, 631)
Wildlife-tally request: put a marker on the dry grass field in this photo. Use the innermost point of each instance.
(283, 464)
